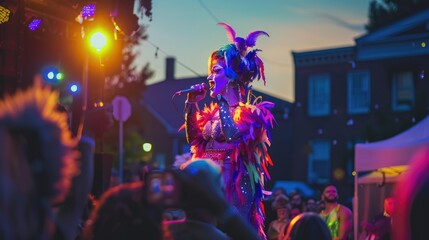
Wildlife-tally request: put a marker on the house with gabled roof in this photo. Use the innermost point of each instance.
(164, 116)
(362, 93)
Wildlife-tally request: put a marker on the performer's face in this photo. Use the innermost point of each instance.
(218, 81)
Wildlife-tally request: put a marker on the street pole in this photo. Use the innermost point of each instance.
(121, 144)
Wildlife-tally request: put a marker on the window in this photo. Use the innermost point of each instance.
(358, 92)
(402, 91)
(319, 162)
(319, 95)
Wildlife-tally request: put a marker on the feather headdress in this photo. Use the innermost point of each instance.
(242, 44)
(241, 62)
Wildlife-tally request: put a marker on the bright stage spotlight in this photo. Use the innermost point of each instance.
(88, 11)
(86, 14)
(98, 40)
(74, 88)
(34, 24)
(59, 76)
(5, 15)
(52, 75)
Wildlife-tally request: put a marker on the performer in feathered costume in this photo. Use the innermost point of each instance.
(234, 130)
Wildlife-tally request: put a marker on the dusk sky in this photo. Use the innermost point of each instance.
(187, 30)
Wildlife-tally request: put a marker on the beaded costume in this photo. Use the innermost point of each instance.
(237, 136)
(241, 150)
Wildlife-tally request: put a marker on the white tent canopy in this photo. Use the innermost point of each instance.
(384, 161)
(394, 151)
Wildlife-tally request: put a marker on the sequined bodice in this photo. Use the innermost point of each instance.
(226, 139)
(212, 130)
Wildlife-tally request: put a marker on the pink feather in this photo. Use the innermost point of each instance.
(229, 31)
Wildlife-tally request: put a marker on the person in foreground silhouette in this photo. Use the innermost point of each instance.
(124, 211)
(307, 226)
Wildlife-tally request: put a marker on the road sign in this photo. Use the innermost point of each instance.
(121, 108)
(121, 112)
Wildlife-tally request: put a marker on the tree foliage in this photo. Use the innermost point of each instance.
(385, 12)
(146, 8)
(130, 81)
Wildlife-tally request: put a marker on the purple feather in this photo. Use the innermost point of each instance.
(251, 37)
(242, 44)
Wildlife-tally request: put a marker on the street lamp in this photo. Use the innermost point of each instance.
(98, 41)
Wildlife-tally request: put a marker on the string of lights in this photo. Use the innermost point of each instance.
(209, 12)
(217, 20)
(158, 49)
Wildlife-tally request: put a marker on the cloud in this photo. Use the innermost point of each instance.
(356, 27)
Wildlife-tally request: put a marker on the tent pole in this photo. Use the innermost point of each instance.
(355, 207)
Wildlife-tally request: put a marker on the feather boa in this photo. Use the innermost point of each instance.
(250, 155)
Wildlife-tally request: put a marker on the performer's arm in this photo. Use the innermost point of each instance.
(191, 110)
(228, 126)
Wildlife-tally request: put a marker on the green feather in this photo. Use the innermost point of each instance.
(258, 159)
(250, 169)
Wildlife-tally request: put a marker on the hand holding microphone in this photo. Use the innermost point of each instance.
(198, 88)
(195, 92)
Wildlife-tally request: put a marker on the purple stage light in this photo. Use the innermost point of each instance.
(88, 11)
(35, 24)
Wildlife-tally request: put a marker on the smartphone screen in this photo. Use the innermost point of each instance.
(163, 188)
(154, 181)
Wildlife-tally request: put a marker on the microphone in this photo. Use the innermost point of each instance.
(191, 89)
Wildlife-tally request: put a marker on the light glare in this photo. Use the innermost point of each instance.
(73, 88)
(60, 76)
(98, 40)
(147, 147)
(50, 75)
